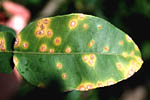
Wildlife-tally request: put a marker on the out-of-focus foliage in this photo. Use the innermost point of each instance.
(78, 95)
(29, 2)
(146, 50)
(85, 6)
(34, 2)
(143, 7)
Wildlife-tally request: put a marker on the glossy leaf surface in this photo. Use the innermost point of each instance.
(81, 51)
(7, 29)
(7, 38)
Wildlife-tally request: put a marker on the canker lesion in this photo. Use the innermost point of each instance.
(64, 76)
(85, 86)
(89, 59)
(106, 48)
(59, 65)
(43, 48)
(15, 60)
(72, 23)
(57, 41)
(42, 28)
(68, 49)
(51, 50)
(25, 45)
(91, 43)
(99, 26)
(81, 16)
(18, 41)
(49, 33)
(2, 45)
(85, 26)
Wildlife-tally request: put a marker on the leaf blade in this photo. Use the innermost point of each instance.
(7, 38)
(76, 49)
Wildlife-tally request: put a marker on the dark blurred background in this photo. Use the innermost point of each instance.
(131, 16)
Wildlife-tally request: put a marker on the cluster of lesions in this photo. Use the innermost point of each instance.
(89, 59)
(129, 69)
(57, 42)
(85, 86)
(74, 22)
(132, 53)
(107, 82)
(21, 43)
(129, 41)
(2, 45)
(125, 43)
(42, 29)
(60, 66)
(45, 48)
(135, 62)
(63, 75)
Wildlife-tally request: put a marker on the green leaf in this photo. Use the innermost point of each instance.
(7, 29)
(7, 39)
(81, 51)
(79, 95)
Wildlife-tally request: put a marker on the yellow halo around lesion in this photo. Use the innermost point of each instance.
(57, 41)
(81, 16)
(2, 44)
(42, 28)
(25, 45)
(43, 48)
(73, 23)
(85, 86)
(89, 59)
(18, 41)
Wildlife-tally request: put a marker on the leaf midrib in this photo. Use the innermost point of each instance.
(59, 53)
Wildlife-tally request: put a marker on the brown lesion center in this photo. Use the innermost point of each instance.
(2, 45)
